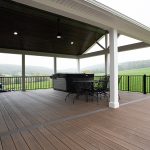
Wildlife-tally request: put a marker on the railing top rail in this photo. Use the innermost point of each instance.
(21, 76)
(11, 77)
(37, 76)
(123, 75)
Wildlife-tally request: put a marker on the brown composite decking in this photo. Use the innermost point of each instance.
(42, 120)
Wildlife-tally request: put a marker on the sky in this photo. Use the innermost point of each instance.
(93, 61)
(66, 63)
(137, 10)
(39, 61)
(10, 59)
(15, 59)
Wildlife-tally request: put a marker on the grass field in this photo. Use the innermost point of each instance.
(141, 71)
(135, 80)
(132, 80)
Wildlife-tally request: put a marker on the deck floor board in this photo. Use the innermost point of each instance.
(41, 119)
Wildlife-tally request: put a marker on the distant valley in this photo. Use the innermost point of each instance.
(15, 70)
(132, 67)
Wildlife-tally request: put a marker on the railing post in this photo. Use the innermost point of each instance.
(144, 84)
(128, 83)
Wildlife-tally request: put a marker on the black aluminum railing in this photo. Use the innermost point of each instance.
(132, 83)
(31, 83)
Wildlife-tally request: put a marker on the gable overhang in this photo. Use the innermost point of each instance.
(37, 31)
(94, 13)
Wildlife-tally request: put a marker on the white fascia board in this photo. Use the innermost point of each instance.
(93, 13)
(116, 13)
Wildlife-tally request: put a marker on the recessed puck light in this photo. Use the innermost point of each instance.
(15, 33)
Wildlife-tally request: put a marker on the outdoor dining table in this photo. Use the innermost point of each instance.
(84, 87)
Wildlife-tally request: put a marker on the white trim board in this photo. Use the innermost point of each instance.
(26, 52)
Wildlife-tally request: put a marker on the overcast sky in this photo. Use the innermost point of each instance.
(135, 9)
(30, 60)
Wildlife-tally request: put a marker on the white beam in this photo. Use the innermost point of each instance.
(133, 46)
(102, 52)
(23, 72)
(113, 69)
(100, 45)
(120, 49)
(27, 52)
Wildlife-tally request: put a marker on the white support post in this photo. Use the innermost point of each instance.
(106, 64)
(106, 55)
(113, 69)
(23, 72)
(55, 65)
(78, 65)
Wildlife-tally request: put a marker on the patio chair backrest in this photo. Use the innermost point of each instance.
(108, 84)
(104, 83)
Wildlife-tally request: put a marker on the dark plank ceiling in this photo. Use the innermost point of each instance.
(37, 31)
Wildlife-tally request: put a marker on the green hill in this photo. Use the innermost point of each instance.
(127, 68)
(131, 67)
(15, 70)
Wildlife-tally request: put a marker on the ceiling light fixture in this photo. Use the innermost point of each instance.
(58, 35)
(71, 42)
(58, 29)
(15, 33)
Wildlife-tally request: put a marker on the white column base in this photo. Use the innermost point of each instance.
(114, 104)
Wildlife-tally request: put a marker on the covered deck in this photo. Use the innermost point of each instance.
(66, 29)
(41, 119)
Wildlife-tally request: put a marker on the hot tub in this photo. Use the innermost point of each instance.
(64, 82)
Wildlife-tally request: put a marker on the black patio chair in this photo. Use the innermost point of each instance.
(105, 87)
(73, 90)
(101, 87)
